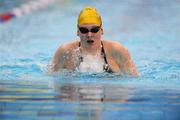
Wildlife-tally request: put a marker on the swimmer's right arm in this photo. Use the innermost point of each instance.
(58, 61)
(63, 57)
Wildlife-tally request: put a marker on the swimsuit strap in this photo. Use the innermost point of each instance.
(80, 57)
(106, 66)
(79, 44)
(103, 52)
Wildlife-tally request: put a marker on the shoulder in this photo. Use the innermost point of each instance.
(115, 47)
(66, 50)
(69, 46)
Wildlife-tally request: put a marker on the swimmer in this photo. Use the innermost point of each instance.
(91, 53)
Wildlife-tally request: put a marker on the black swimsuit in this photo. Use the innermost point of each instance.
(106, 66)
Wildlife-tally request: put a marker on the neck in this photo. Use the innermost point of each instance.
(91, 50)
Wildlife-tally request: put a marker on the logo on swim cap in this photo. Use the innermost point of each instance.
(89, 15)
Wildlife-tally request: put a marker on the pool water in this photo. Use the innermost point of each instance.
(149, 29)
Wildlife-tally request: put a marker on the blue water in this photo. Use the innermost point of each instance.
(149, 29)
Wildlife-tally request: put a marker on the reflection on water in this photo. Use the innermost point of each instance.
(20, 90)
(93, 92)
(24, 99)
(56, 99)
(91, 97)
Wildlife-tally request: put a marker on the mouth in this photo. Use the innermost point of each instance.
(90, 41)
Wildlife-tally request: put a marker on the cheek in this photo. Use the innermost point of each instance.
(82, 37)
(98, 36)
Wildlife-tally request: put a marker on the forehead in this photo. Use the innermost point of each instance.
(88, 25)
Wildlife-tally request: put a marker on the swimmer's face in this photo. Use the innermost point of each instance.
(90, 34)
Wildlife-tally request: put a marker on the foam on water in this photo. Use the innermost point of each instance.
(92, 64)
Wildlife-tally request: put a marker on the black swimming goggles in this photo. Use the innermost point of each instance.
(85, 30)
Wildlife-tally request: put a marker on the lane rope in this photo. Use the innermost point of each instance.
(24, 9)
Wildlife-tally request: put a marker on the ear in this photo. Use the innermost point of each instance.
(77, 32)
(102, 31)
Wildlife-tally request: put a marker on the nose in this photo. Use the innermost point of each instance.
(89, 34)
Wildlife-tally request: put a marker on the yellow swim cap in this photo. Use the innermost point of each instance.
(89, 15)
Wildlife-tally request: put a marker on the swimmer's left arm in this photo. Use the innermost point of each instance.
(125, 61)
(129, 66)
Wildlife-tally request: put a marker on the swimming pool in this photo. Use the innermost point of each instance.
(150, 30)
